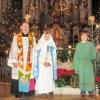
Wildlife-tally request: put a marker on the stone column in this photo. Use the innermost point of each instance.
(76, 13)
(26, 4)
(84, 11)
(3, 5)
(0, 10)
(90, 7)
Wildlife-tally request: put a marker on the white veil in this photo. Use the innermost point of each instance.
(42, 42)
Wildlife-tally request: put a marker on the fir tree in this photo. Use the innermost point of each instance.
(11, 19)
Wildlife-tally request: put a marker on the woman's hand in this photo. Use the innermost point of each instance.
(47, 64)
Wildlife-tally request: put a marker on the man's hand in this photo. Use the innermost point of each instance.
(23, 80)
(15, 64)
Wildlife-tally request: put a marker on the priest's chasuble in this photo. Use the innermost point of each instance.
(21, 53)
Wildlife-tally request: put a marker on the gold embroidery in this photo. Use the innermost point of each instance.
(20, 51)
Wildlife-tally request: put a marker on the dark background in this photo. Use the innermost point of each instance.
(95, 5)
(96, 9)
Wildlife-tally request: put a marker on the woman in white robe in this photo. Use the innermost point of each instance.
(45, 67)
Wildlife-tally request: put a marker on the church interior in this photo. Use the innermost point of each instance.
(63, 19)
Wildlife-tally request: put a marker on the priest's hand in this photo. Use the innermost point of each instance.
(23, 80)
(15, 64)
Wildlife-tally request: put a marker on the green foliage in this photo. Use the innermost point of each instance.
(11, 19)
(62, 54)
(63, 81)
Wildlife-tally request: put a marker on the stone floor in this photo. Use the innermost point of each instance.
(56, 97)
(64, 93)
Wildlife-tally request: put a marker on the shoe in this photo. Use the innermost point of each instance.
(91, 95)
(31, 93)
(20, 95)
(43, 95)
(50, 93)
(83, 94)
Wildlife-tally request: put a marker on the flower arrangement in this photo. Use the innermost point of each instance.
(64, 73)
(66, 53)
(64, 77)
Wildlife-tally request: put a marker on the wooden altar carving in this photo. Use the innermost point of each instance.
(57, 36)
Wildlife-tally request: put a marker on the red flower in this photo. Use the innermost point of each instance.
(63, 72)
(98, 79)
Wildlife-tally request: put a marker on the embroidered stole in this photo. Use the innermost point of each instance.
(24, 73)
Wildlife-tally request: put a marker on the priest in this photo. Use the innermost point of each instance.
(20, 60)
